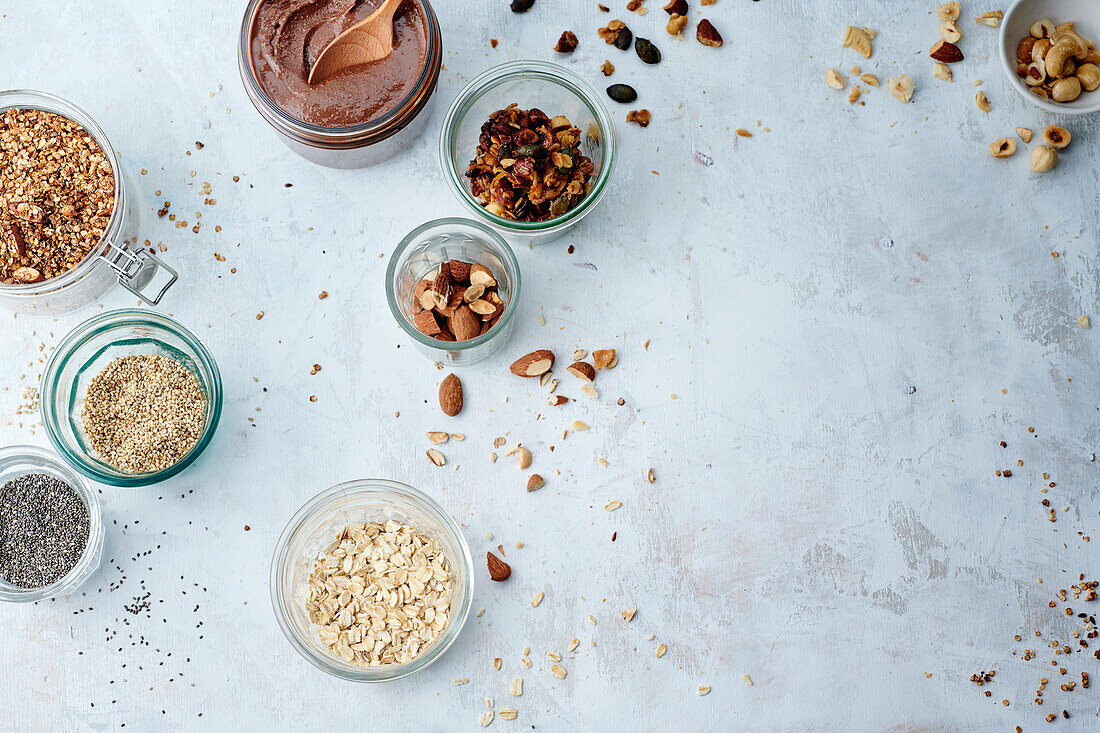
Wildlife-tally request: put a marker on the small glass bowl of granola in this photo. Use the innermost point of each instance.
(331, 523)
(558, 93)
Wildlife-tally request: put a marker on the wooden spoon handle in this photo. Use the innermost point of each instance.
(368, 40)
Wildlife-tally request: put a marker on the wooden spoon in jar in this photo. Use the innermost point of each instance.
(368, 40)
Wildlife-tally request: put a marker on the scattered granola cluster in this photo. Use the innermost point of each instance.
(528, 166)
(380, 594)
(57, 193)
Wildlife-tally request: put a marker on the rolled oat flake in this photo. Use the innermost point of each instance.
(43, 530)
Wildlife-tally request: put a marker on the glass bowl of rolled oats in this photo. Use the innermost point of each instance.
(488, 144)
(371, 580)
(69, 221)
(130, 398)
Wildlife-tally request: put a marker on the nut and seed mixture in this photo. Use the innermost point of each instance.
(143, 412)
(380, 594)
(457, 301)
(57, 192)
(43, 530)
(528, 166)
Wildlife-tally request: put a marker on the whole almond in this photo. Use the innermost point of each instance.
(946, 52)
(582, 370)
(535, 483)
(27, 274)
(450, 395)
(425, 323)
(498, 569)
(534, 364)
(460, 271)
(15, 239)
(465, 324)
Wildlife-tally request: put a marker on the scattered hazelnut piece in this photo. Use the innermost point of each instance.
(835, 79)
(1004, 147)
(901, 87)
(982, 101)
(949, 31)
(869, 79)
(859, 40)
(941, 70)
(949, 11)
(1056, 137)
(1024, 133)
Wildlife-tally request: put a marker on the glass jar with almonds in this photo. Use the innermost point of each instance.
(453, 284)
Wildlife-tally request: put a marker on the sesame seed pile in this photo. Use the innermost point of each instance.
(43, 530)
(143, 413)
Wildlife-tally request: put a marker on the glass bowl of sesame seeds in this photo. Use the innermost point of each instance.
(130, 398)
(371, 580)
(40, 536)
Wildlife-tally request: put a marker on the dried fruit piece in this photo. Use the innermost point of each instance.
(901, 87)
(708, 35)
(946, 52)
(498, 569)
(1004, 147)
(605, 358)
(859, 40)
(646, 51)
(535, 482)
(1043, 158)
(450, 395)
(835, 79)
(567, 43)
(1056, 137)
(640, 116)
(534, 364)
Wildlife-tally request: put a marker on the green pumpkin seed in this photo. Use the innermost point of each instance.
(647, 52)
(560, 205)
(622, 93)
(530, 150)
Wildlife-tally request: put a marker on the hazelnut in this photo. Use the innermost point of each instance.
(1056, 137)
(949, 31)
(1066, 90)
(834, 79)
(1003, 148)
(1036, 74)
(941, 70)
(949, 11)
(983, 102)
(901, 87)
(1043, 158)
(1024, 133)
(1089, 76)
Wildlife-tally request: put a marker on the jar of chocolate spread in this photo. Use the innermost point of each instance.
(359, 117)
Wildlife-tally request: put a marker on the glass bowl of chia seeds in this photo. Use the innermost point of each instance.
(319, 526)
(101, 427)
(51, 528)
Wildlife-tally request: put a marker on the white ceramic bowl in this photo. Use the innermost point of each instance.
(1017, 23)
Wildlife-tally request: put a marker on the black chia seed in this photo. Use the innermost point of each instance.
(43, 530)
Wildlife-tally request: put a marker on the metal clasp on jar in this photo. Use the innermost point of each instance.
(137, 269)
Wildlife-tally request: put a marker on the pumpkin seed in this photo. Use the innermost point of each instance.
(530, 150)
(560, 205)
(647, 52)
(622, 41)
(622, 93)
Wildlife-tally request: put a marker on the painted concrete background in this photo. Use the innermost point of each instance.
(852, 308)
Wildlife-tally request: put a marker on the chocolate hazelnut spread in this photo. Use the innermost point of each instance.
(289, 35)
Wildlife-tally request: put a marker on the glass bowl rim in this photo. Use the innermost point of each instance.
(509, 310)
(81, 571)
(104, 323)
(461, 565)
(488, 80)
(429, 76)
(63, 107)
